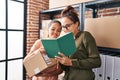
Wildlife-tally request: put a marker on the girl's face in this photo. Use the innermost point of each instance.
(54, 30)
(68, 25)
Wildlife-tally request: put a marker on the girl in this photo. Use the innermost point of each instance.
(54, 30)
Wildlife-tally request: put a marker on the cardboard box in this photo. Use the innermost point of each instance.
(78, 1)
(106, 30)
(58, 3)
(44, 28)
(36, 63)
(45, 24)
(61, 3)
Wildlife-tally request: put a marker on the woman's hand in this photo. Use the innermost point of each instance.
(63, 59)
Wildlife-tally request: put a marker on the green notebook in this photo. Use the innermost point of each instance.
(64, 44)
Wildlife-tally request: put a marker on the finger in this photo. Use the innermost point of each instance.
(61, 54)
(57, 57)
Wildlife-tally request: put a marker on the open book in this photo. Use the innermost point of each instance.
(64, 44)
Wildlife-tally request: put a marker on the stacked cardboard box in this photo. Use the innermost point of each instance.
(60, 3)
(105, 30)
(44, 29)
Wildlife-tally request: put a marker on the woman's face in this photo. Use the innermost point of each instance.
(68, 25)
(54, 30)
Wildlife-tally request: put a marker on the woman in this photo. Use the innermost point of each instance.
(53, 32)
(79, 65)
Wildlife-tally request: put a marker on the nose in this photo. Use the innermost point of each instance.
(55, 31)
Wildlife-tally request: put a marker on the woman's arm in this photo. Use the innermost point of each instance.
(93, 60)
(36, 46)
(87, 59)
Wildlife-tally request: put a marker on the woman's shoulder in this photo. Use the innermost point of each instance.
(38, 41)
(86, 33)
(88, 36)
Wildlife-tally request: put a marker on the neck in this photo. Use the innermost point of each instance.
(75, 33)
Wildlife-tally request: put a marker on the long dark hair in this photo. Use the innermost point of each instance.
(70, 13)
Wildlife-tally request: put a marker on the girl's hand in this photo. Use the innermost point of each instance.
(63, 59)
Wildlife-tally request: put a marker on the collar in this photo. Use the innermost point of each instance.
(78, 34)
